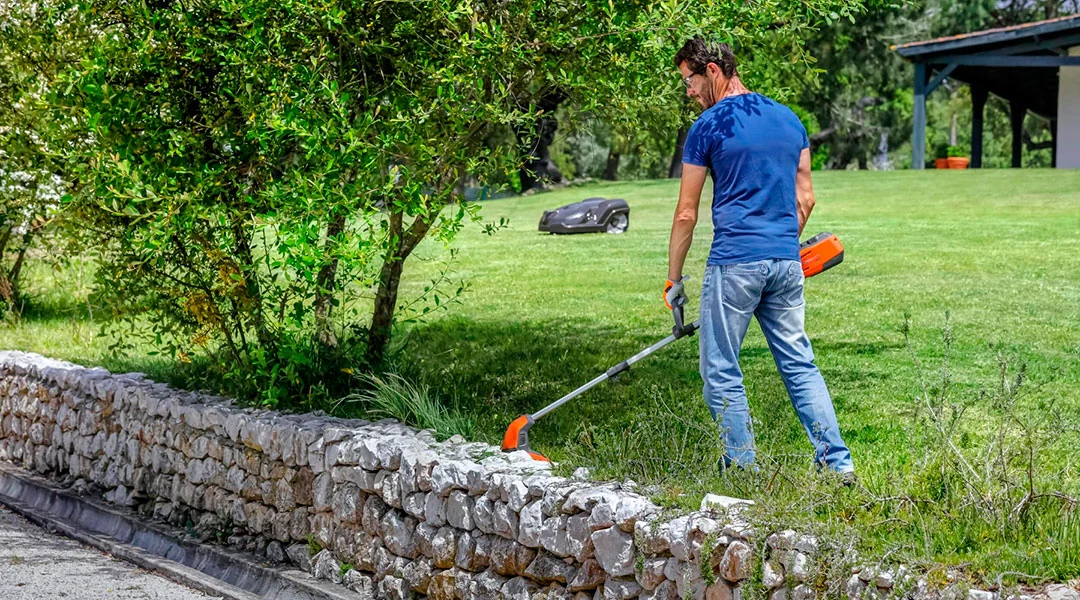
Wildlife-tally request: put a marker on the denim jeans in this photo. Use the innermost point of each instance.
(771, 290)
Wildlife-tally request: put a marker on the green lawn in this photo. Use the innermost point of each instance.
(999, 251)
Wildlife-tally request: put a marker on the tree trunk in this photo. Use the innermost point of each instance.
(952, 131)
(537, 168)
(382, 318)
(611, 169)
(675, 170)
(324, 286)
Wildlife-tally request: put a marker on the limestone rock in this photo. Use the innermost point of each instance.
(589, 577)
(545, 568)
(737, 562)
(614, 550)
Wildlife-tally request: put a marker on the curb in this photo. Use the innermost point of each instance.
(157, 547)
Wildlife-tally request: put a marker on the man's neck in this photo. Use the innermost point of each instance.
(733, 87)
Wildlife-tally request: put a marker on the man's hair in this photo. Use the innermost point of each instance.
(698, 52)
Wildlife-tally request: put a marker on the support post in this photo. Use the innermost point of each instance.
(978, 105)
(918, 133)
(1017, 111)
(1053, 143)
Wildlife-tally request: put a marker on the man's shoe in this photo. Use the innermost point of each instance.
(848, 479)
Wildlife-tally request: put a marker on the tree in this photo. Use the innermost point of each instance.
(257, 173)
(30, 169)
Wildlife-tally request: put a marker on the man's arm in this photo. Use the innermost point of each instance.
(804, 190)
(686, 215)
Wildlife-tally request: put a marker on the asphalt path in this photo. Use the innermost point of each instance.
(38, 565)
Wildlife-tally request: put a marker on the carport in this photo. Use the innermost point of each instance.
(1034, 67)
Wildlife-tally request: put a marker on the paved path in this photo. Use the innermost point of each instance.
(37, 565)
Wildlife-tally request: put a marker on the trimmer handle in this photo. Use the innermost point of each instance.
(681, 330)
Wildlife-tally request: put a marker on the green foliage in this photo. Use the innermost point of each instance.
(390, 395)
(956, 151)
(253, 175)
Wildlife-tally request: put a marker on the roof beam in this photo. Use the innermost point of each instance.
(982, 60)
(940, 77)
(1057, 45)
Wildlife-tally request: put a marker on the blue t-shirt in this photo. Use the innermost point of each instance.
(751, 146)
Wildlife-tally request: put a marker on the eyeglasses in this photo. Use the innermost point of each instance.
(686, 80)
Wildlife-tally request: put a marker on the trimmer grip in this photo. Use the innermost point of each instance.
(680, 329)
(517, 437)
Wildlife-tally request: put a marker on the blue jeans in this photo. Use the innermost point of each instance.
(771, 290)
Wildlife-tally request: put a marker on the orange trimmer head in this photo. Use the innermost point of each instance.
(819, 253)
(517, 437)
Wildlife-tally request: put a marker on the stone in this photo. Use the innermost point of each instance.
(417, 575)
(803, 592)
(807, 544)
(442, 585)
(530, 525)
(359, 583)
(854, 587)
(504, 521)
(275, 552)
(798, 567)
(665, 591)
(459, 510)
(483, 514)
(1058, 591)
(589, 577)
(614, 549)
(519, 588)
(723, 504)
(736, 564)
(414, 505)
(651, 574)
(780, 593)
(488, 586)
(553, 536)
(325, 566)
(397, 532)
(980, 595)
(679, 537)
(322, 492)
(444, 547)
(782, 540)
(546, 568)
(721, 590)
(374, 509)
(651, 537)
(631, 510)
(579, 538)
(621, 589)
(392, 588)
(517, 495)
(434, 509)
(503, 553)
(473, 552)
(347, 503)
(772, 575)
(602, 514)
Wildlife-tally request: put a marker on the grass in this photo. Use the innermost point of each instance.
(996, 250)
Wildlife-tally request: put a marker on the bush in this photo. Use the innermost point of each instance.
(390, 395)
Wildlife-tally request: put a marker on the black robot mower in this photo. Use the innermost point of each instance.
(591, 215)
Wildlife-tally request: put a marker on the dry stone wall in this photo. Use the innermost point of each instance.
(403, 513)
(385, 509)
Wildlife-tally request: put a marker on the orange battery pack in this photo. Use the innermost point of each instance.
(820, 253)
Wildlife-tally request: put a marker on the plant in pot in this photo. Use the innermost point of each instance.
(941, 156)
(957, 158)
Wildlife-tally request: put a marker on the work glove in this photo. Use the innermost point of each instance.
(674, 290)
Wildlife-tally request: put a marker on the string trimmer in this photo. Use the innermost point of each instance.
(819, 253)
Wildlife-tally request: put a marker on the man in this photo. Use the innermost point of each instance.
(757, 152)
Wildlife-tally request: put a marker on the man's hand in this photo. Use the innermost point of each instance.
(674, 290)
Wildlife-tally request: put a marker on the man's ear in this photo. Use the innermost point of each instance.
(713, 70)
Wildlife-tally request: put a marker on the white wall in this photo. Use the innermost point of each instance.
(1068, 149)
